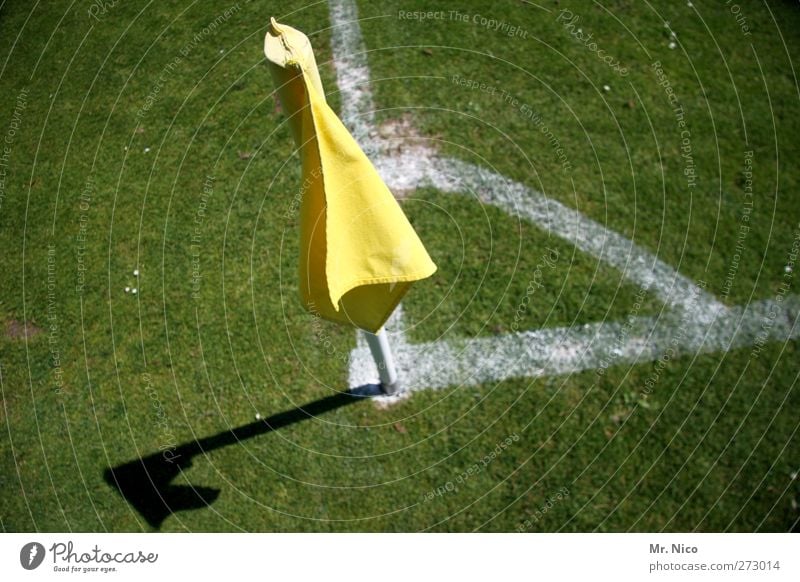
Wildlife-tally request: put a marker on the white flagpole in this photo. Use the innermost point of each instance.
(382, 354)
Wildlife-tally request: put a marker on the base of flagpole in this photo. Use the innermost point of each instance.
(392, 389)
(384, 360)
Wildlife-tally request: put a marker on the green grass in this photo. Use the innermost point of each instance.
(712, 448)
(488, 261)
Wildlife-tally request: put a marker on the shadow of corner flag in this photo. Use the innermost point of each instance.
(359, 256)
(146, 483)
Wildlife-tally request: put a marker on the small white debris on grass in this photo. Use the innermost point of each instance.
(258, 416)
(788, 268)
(606, 88)
(136, 272)
(672, 45)
(146, 150)
(127, 289)
(134, 290)
(689, 4)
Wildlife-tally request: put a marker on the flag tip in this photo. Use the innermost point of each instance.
(274, 27)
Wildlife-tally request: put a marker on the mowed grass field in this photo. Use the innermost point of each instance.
(147, 137)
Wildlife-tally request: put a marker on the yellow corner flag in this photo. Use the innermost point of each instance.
(358, 252)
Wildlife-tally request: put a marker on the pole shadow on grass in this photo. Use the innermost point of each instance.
(146, 482)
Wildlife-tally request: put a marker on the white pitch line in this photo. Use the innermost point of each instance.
(352, 72)
(419, 168)
(706, 324)
(566, 350)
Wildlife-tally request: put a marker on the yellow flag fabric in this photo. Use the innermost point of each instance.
(359, 254)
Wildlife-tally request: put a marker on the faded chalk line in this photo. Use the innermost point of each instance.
(553, 351)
